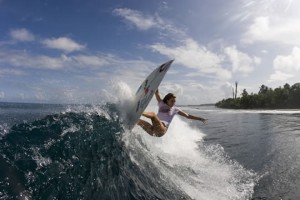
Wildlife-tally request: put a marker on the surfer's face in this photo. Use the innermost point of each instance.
(171, 102)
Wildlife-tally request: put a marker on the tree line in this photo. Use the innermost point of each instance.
(286, 97)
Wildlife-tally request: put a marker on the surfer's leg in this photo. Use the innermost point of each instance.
(158, 128)
(146, 126)
(148, 114)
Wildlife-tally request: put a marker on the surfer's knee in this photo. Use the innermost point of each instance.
(150, 115)
(159, 134)
(159, 131)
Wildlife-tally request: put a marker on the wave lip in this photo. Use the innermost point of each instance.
(75, 155)
(86, 152)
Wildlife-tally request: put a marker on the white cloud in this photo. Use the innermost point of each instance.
(286, 66)
(280, 76)
(194, 56)
(195, 93)
(133, 69)
(241, 62)
(188, 91)
(5, 72)
(138, 19)
(39, 93)
(277, 29)
(63, 43)
(145, 22)
(19, 59)
(2, 95)
(22, 35)
(21, 95)
(94, 61)
(258, 30)
(288, 63)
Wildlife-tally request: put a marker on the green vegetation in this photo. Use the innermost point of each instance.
(286, 97)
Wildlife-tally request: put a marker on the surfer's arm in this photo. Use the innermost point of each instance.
(184, 114)
(158, 98)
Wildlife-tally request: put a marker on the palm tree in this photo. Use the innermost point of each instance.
(236, 84)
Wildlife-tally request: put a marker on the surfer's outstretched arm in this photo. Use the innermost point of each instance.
(157, 95)
(184, 114)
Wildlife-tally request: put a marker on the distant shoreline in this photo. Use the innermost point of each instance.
(207, 104)
(286, 97)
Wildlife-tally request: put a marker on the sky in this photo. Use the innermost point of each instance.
(78, 51)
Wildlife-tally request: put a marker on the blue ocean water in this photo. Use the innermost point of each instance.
(85, 152)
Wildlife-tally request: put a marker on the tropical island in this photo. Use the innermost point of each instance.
(286, 97)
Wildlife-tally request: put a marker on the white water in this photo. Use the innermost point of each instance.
(203, 172)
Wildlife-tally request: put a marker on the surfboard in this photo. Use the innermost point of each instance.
(145, 93)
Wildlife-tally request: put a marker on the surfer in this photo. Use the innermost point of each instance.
(166, 112)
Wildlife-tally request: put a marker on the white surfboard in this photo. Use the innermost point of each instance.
(145, 93)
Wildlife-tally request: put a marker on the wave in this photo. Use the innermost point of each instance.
(87, 153)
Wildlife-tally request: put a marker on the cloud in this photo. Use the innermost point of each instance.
(275, 29)
(14, 72)
(22, 35)
(279, 76)
(39, 93)
(241, 62)
(289, 63)
(25, 60)
(2, 95)
(195, 56)
(136, 18)
(22, 95)
(120, 67)
(145, 22)
(93, 61)
(286, 66)
(64, 44)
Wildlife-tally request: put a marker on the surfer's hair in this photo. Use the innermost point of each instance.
(168, 96)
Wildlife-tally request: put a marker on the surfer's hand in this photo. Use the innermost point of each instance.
(203, 120)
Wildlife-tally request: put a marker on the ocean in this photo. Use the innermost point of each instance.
(50, 151)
